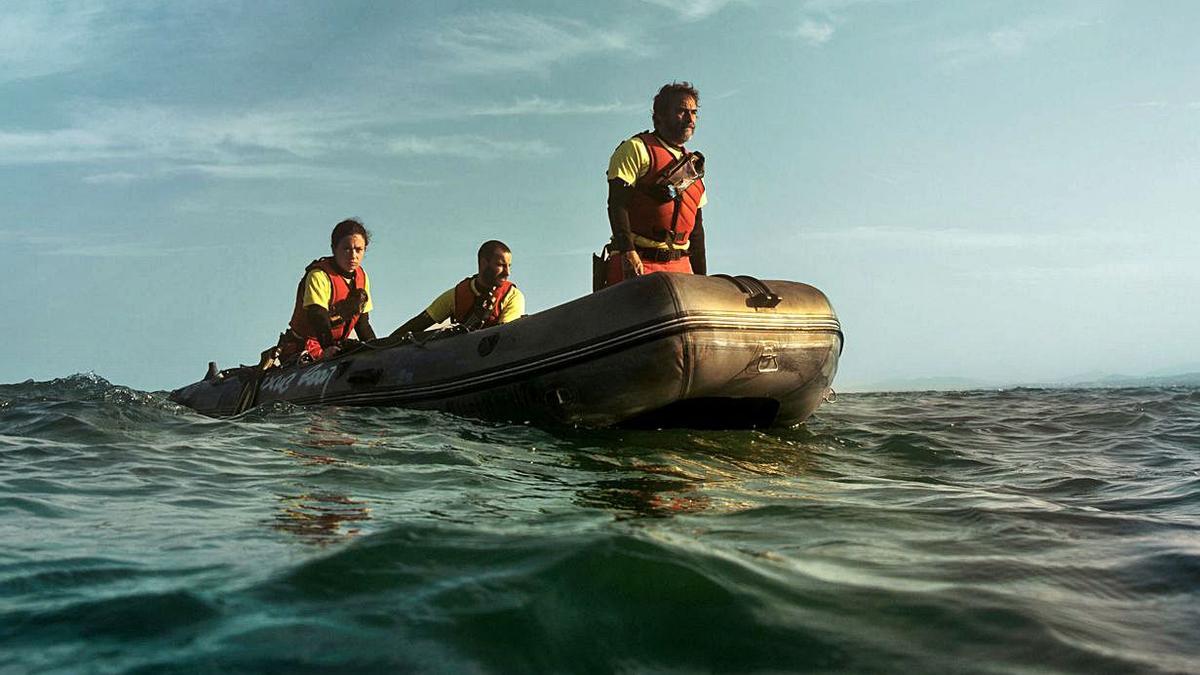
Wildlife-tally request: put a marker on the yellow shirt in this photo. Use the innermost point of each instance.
(629, 162)
(513, 308)
(318, 290)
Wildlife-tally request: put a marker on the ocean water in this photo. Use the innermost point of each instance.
(999, 531)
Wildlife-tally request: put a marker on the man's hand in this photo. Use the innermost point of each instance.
(632, 263)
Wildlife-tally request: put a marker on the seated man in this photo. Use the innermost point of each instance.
(332, 300)
(479, 301)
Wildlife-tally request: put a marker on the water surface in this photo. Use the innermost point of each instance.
(1043, 530)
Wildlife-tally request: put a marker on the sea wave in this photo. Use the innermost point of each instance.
(1029, 529)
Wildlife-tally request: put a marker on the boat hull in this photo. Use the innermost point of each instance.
(664, 349)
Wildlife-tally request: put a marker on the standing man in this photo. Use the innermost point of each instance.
(485, 299)
(656, 193)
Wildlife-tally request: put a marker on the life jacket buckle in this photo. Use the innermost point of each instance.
(661, 255)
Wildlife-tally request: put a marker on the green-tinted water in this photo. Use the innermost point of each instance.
(992, 531)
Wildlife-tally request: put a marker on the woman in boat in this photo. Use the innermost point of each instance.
(333, 300)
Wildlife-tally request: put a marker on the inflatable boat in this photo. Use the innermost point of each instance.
(660, 350)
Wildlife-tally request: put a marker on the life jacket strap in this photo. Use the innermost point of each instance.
(661, 255)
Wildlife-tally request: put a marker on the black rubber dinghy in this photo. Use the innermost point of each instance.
(663, 350)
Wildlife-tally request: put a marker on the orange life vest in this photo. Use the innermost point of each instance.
(465, 301)
(344, 307)
(649, 216)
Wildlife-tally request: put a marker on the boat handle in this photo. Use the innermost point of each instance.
(758, 295)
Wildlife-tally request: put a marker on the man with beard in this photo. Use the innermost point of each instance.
(656, 193)
(485, 299)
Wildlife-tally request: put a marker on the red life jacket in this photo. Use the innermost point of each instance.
(649, 216)
(344, 310)
(465, 301)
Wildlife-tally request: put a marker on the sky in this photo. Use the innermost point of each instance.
(997, 191)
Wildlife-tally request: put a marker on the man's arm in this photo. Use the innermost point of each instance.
(618, 219)
(696, 247)
(417, 324)
(439, 310)
(363, 328)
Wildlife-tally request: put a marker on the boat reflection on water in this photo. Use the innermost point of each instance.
(317, 515)
(321, 518)
(665, 473)
(644, 497)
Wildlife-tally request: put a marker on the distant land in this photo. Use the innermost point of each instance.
(1191, 378)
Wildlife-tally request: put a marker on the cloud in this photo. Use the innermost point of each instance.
(276, 171)
(1161, 105)
(1108, 273)
(959, 238)
(46, 37)
(819, 19)
(695, 10)
(123, 250)
(256, 171)
(101, 133)
(113, 178)
(510, 41)
(10, 236)
(554, 251)
(539, 106)
(831, 7)
(78, 246)
(146, 142)
(58, 145)
(888, 178)
(138, 143)
(1007, 42)
(1015, 256)
(272, 171)
(477, 147)
(235, 209)
(815, 32)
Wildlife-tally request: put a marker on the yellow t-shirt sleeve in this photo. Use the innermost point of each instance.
(629, 162)
(514, 305)
(367, 307)
(442, 307)
(317, 289)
